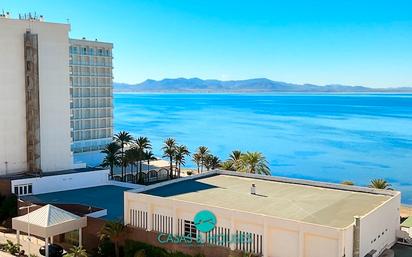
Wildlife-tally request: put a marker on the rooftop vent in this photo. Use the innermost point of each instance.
(253, 189)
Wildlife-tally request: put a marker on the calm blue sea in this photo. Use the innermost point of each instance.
(320, 137)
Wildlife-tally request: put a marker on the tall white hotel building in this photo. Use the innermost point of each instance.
(56, 103)
(91, 90)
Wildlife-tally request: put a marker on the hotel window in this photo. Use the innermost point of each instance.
(100, 51)
(190, 229)
(84, 50)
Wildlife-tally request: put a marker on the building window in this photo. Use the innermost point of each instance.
(190, 229)
(84, 50)
(21, 190)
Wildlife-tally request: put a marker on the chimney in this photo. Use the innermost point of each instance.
(253, 189)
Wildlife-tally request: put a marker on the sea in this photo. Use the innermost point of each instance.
(322, 137)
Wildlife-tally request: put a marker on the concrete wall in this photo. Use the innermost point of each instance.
(281, 237)
(378, 228)
(54, 95)
(48, 184)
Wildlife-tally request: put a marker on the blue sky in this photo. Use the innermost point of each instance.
(321, 42)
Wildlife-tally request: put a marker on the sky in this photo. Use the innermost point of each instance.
(362, 42)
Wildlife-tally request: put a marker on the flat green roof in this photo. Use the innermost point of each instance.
(311, 204)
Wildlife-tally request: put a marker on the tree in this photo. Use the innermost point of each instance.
(123, 138)
(196, 158)
(112, 156)
(77, 251)
(169, 151)
(8, 207)
(143, 144)
(227, 165)
(180, 157)
(380, 184)
(149, 156)
(112, 230)
(235, 159)
(255, 163)
(131, 158)
(211, 162)
(203, 152)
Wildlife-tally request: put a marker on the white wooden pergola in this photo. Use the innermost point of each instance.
(47, 222)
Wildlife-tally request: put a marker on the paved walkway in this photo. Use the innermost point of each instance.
(34, 245)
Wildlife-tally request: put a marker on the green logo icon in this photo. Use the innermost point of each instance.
(205, 221)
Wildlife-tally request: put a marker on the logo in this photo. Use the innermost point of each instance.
(205, 221)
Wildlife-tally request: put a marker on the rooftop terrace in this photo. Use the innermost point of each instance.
(333, 207)
(105, 197)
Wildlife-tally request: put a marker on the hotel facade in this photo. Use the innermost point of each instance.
(56, 96)
(35, 99)
(54, 101)
(284, 218)
(91, 88)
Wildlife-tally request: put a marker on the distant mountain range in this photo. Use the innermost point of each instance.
(243, 86)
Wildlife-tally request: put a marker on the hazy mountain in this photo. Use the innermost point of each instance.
(250, 85)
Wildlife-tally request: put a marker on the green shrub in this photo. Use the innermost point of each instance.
(132, 248)
(105, 249)
(11, 247)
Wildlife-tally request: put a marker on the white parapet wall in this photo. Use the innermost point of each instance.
(64, 182)
(273, 236)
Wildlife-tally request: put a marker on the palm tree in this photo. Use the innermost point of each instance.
(169, 151)
(123, 138)
(77, 251)
(142, 144)
(196, 158)
(255, 163)
(235, 159)
(180, 157)
(112, 230)
(380, 184)
(203, 151)
(128, 156)
(227, 165)
(112, 156)
(211, 162)
(149, 156)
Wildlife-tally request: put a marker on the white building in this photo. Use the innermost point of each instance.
(35, 98)
(284, 218)
(91, 86)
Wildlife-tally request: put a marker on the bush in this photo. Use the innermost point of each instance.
(11, 247)
(132, 248)
(105, 249)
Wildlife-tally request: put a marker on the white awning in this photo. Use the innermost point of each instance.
(48, 221)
